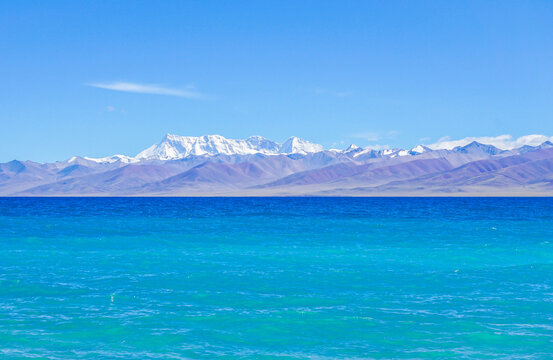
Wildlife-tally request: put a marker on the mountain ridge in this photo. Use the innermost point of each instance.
(174, 147)
(256, 166)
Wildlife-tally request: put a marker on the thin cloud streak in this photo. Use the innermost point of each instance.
(504, 142)
(375, 136)
(368, 136)
(338, 94)
(189, 93)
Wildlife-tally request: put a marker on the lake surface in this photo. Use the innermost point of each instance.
(264, 278)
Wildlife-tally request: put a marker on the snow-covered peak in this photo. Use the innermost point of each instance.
(396, 153)
(261, 144)
(295, 145)
(178, 147)
(366, 152)
(109, 159)
(419, 149)
(352, 147)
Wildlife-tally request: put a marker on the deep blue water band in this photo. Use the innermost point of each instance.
(236, 278)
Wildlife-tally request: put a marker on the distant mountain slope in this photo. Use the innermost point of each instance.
(214, 165)
(108, 182)
(515, 170)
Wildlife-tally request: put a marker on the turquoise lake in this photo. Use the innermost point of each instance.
(269, 278)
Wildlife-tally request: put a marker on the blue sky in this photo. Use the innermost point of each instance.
(103, 77)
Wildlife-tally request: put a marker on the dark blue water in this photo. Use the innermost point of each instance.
(294, 278)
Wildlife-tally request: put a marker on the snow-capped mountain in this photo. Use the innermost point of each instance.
(174, 147)
(209, 165)
(295, 145)
(419, 149)
(352, 147)
(110, 159)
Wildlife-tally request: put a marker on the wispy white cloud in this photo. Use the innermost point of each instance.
(375, 135)
(378, 147)
(337, 143)
(338, 94)
(368, 136)
(187, 92)
(111, 108)
(505, 142)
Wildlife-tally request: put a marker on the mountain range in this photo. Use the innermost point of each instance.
(215, 166)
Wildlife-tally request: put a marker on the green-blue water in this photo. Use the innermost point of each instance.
(302, 278)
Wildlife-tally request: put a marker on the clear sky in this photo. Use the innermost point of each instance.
(103, 77)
